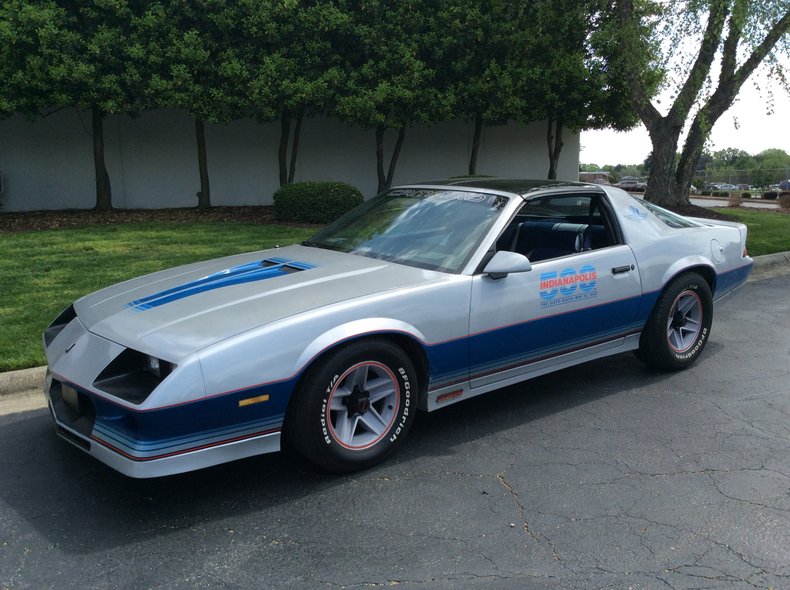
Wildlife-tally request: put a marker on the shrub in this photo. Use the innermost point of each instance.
(746, 195)
(723, 194)
(705, 194)
(734, 200)
(784, 199)
(315, 202)
(770, 195)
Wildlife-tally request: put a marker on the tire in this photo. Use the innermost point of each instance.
(354, 407)
(679, 326)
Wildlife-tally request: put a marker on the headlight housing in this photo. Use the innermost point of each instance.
(133, 376)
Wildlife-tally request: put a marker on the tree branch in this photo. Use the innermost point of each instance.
(729, 51)
(648, 113)
(701, 68)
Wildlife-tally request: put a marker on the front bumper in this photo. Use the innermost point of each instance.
(104, 431)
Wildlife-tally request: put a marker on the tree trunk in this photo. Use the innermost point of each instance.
(285, 132)
(382, 180)
(554, 142)
(295, 145)
(475, 144)
(204, 195)
(395, 154)
(662, 188)
(103, 189)
(386, 180)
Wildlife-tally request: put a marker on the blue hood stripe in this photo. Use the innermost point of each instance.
(237, 275)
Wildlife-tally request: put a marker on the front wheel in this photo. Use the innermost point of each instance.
(354, 406)
(679, 326)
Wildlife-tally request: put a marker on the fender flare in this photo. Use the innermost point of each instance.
(352, 330)
(689, 263)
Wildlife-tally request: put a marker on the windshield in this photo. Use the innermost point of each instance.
(437, 229)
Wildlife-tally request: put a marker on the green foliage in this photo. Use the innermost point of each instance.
(315, 202)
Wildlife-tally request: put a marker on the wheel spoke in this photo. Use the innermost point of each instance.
(685, 304)
(379, 388)
(357, 377)
(345, 427)
(373, 420)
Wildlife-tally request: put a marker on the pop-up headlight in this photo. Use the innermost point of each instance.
(132, 376)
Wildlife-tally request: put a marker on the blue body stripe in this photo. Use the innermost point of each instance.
(237, 275)
(728, 281)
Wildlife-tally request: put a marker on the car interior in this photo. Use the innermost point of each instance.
(559, 225)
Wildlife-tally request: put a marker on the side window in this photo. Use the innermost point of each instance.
(559, 225)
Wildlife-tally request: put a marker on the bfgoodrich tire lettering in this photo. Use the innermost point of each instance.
(354, 407)
(679, 326)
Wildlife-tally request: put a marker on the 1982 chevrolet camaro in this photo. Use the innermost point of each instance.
(423, 296)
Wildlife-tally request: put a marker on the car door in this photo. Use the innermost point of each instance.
(568, 308)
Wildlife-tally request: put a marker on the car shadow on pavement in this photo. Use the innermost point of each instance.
(82, 506)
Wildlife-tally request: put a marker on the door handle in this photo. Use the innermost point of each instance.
(621, 269)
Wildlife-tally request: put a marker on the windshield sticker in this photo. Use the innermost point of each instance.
(475, 198)
(568, 286)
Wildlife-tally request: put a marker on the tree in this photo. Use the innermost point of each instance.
(561, 78)
(306, 67)
(193, 63)
(73, 54)
(470, 41)
(389, 83)
(736, 36)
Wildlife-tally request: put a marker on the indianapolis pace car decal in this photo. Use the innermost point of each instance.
(568, 285)
(237, 275)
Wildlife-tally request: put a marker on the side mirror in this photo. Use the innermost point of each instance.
(503, 263)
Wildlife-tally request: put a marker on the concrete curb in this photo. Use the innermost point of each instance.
(15, 382)
(769, 260)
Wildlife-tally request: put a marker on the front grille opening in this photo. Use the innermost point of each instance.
(73, 408)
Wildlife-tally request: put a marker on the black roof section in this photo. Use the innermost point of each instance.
(517, 186)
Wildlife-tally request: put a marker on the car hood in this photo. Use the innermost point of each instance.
(176, 312)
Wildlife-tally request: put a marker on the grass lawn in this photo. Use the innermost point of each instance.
(42, 272)
(769, 231)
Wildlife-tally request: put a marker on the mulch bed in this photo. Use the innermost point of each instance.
(34, 220)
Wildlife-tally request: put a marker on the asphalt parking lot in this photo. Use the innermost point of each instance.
(608, 475)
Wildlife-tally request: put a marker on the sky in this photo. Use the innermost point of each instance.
(745, 126)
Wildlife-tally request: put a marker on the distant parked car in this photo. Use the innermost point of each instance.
(631, 183)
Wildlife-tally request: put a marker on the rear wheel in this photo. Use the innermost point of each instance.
(354, 407)
(679, 326)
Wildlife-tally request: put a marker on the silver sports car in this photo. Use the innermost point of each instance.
(423, 296)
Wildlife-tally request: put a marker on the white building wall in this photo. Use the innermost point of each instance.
(152, 158)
